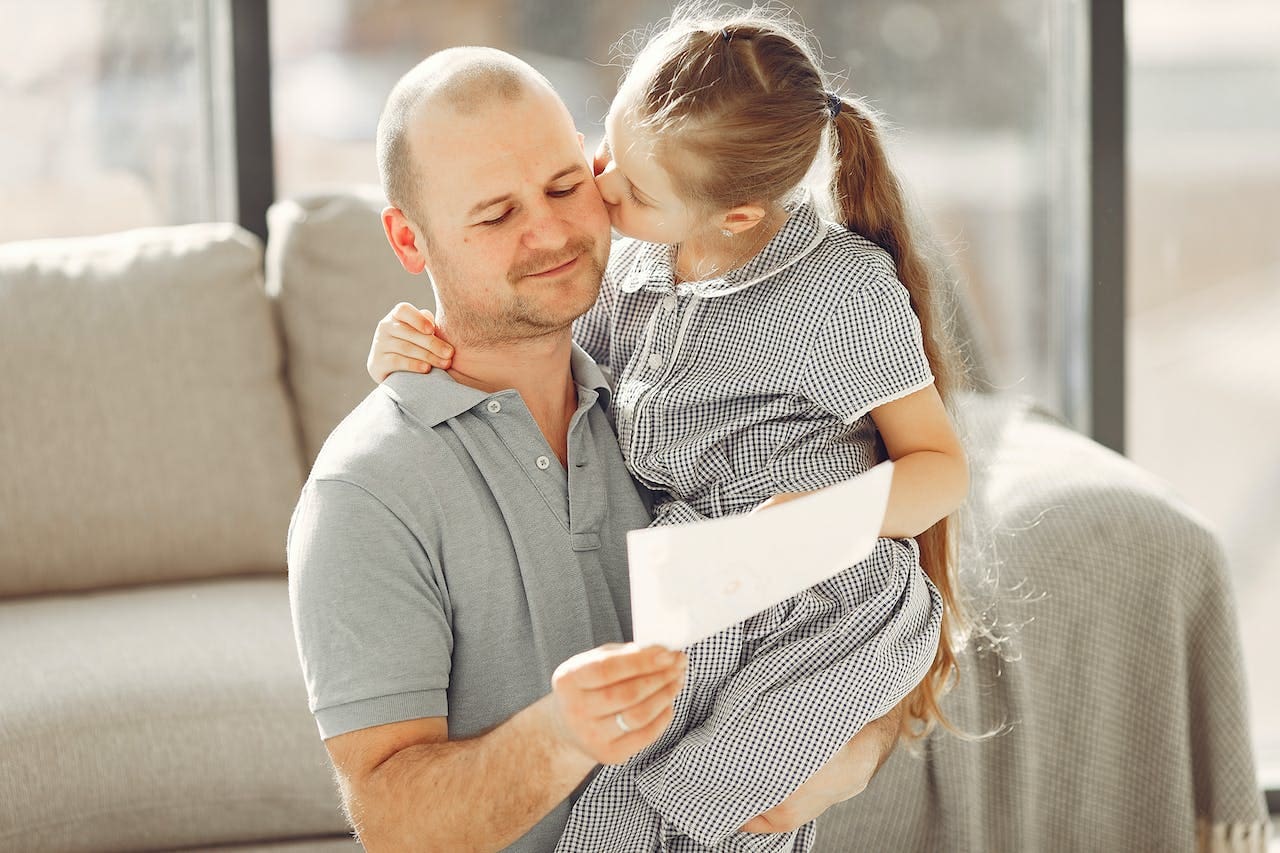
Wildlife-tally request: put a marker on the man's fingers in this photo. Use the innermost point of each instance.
(628, 744)
(624, 695)
(655, 703)
(599, 668)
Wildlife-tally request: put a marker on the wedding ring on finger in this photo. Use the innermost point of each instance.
(622, 724)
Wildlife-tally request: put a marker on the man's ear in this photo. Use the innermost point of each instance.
(742, 218)
(405, 239)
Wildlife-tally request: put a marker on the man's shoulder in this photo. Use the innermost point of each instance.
(376, 446)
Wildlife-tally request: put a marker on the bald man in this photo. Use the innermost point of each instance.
(457, 559)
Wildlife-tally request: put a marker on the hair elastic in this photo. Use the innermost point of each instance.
(724, 34)
(834, 103)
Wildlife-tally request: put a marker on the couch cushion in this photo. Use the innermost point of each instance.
(330, 266)
(145, 431)
(158, 717)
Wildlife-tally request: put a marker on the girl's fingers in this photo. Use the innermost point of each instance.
(428, 342)
(408, 314)
(392, 362)
(413, 352)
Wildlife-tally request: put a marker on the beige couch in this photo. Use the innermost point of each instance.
(164, 392)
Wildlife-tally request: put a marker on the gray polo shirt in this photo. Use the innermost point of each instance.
(442, 562)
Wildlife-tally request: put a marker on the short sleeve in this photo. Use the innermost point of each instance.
(870, 351)
(369, 618)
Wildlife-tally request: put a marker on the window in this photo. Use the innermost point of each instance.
(1204, 301)
(987, 99)
(112, 116)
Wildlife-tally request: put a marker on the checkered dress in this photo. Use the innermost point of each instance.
(730, 391)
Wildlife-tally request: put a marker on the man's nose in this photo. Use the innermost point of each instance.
(547, 229)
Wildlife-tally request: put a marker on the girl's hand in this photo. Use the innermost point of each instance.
(406, 339)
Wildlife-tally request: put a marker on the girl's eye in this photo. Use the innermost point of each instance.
(501, 219)
(563, 193)
(631, 193)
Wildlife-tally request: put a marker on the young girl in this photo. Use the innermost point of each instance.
(761, 352)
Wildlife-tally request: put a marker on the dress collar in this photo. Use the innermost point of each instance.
(654, 268)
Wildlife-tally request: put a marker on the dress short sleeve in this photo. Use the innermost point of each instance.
(369, 618)
(870, 351)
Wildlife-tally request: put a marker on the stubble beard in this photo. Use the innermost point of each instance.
(523, 315)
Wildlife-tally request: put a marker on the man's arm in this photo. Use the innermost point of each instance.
(406, 786)
(846, 775)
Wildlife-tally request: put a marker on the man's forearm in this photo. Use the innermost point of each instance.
(481, 793)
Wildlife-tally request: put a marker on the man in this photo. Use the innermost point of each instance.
(460, 544)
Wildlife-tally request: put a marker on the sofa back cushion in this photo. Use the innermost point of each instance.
(331, 269)
(145, 430)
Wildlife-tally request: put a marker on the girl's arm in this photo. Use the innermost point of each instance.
(930, 471)
(406, 339)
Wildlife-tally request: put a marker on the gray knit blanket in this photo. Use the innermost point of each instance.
(1106, 675)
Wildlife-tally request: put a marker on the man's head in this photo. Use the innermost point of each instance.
(491, 193)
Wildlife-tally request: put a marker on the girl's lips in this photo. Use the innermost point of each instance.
(554, 271)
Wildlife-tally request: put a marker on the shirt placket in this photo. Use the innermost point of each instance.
(652, 370)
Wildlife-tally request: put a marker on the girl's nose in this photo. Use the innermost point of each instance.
(607, 184)
(602, 158)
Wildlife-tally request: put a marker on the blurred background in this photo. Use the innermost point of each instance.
(119, 113)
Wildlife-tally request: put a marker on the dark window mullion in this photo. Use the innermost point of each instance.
(1108, 78)
(251, 85)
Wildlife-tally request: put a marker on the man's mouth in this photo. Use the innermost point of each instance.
(552, 272)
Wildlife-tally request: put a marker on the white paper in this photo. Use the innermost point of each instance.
(689, 581)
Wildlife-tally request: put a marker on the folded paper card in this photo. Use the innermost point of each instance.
(689, 581)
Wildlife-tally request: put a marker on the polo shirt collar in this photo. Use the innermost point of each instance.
(654, 268)
(437, 396)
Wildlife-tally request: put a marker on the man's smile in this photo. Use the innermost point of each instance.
(552, 272)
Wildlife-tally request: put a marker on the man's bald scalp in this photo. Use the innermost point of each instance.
(463, 79)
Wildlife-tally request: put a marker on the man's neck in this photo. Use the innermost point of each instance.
(539, 369)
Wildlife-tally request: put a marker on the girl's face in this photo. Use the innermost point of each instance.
(638, 192)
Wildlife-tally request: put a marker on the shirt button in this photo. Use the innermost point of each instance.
(494, 407)
(543, 462)
(655, 361)
(668, 304)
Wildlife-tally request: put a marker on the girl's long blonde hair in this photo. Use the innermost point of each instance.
(741, 94)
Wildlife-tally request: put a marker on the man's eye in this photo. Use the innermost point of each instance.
(498, 221)
(562, 193)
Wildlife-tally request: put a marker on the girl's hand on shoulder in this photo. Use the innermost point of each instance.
(406, 339)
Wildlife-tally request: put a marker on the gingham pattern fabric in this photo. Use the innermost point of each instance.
(734, 390)
(729, 392)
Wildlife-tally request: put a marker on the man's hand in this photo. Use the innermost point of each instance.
(846, 775)
(611, 702)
